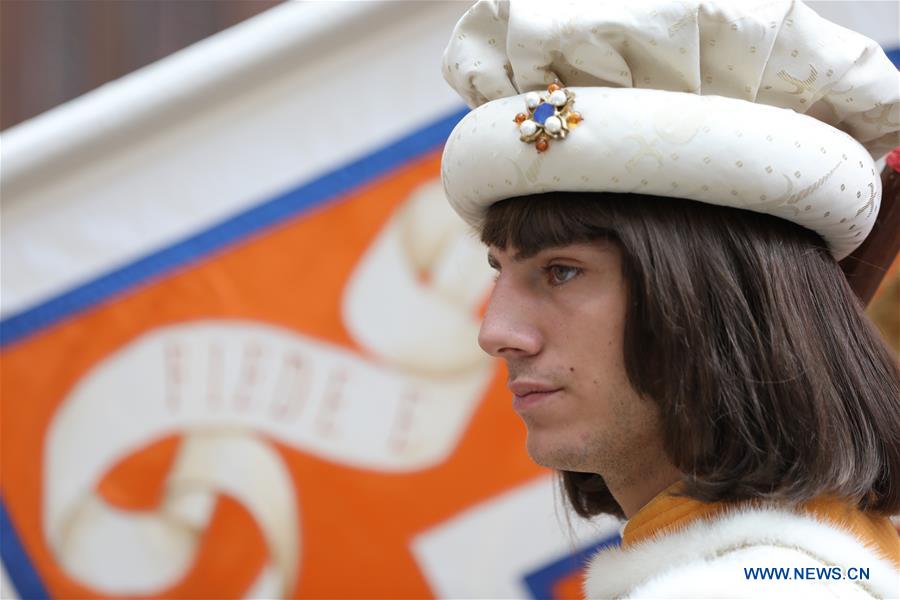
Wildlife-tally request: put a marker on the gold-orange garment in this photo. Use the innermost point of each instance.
(668, 512)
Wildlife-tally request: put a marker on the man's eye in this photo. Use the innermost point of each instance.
(493, 265)
(559, 274)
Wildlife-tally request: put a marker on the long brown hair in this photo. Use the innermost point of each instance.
(771, 381)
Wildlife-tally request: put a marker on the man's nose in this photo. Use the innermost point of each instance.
(509, 328)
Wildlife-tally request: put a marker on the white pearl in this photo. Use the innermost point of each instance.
(552, 124)
(528, 127)
(532, 99)
(558, 98)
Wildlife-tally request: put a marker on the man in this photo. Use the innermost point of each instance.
(664, 198)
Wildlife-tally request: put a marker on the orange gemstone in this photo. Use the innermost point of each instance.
(552, 87)
(520, 117)
(541, 145)
(574, 117)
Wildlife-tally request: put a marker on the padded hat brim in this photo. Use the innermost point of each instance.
(711, 149)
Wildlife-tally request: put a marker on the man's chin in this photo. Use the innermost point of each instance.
(556, 456)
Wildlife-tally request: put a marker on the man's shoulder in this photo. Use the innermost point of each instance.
(744, 553)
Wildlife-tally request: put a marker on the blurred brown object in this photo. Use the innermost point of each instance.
(54, 50)
(868, 264)
(884, 309)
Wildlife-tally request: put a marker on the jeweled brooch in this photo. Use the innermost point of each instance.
(550, 116)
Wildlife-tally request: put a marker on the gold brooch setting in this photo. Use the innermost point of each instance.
(550, 116)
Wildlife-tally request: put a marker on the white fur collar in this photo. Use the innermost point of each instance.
(772, 534)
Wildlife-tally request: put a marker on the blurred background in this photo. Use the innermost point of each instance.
(55, 50)
(238, 318)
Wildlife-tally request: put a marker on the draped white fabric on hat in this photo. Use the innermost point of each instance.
(763, 106)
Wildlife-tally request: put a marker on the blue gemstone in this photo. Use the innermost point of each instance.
(542, 112)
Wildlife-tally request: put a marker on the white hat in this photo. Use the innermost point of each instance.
(757, 105)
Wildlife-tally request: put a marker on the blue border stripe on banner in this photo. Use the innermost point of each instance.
(540, 582)
(294, 202)
(21, 573)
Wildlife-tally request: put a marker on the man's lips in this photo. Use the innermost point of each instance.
(524, 388)
(527, 393)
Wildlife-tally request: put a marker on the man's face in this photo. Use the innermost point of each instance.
(557, 319)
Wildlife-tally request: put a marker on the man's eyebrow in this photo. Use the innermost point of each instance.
(548, 246)
(523, 255)
(494, 263)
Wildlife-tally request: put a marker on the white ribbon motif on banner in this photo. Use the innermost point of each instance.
(227, 387)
